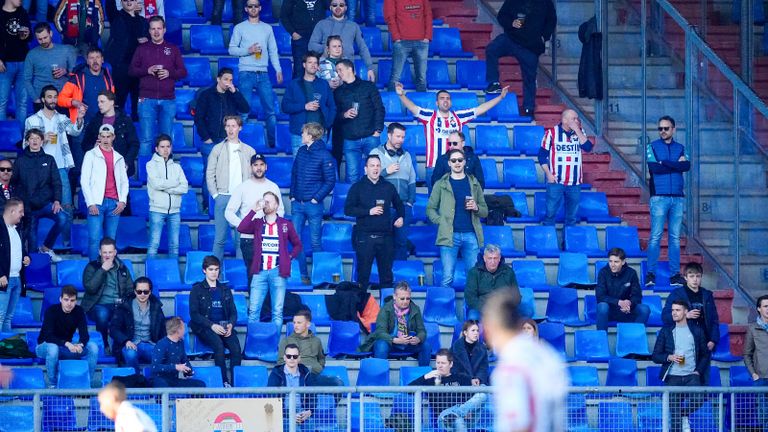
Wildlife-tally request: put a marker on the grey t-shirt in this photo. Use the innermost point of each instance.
(685, 346)
(37, 67)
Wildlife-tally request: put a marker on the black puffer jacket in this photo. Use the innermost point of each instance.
(37, 179)
(370, 117)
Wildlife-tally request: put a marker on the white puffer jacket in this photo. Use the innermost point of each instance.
(166, 183)
(93, 176)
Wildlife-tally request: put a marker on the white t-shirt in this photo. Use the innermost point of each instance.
(531, 386)
(16, 253)
(131, 419)
(245, 196)
(235, 166)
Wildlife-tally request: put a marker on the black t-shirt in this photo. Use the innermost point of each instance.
(697, 302)
(12, 48)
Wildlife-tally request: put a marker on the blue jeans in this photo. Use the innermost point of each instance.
(401, 235)
(52, 353)
(62, 222)
(156, 117)
(156, 221)
(556, 192)
(605, 313)
(422, 351)
(13, 77)
(298, 49)
(260, 81)
(418, 51)
(665, 209)
(102, 225)
(503, 46)
(142, 354)
(101, 315)
(8, 300)
(221, 226)
(367, 11)
(762, 402)
(354, 153)
(467, 243)
(313, 214)
(455, 418)
(66, 202)
(263, 282)
(41, 9)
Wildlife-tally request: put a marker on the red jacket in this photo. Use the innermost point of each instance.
(408, 19)
(286, 234)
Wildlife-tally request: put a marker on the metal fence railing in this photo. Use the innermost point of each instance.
(398, 409)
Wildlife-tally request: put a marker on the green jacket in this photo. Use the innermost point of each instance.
(442, 206)
(310, 347)
(386, 322)
(481, 283)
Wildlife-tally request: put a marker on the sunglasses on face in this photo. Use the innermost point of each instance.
(6, 169)
(253, 6)
(664, 128)
(454, 143)
(338, 5)
(143, 292)
(456, 160)
(292, 356)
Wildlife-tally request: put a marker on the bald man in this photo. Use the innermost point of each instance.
(560, 159)
(127, 417)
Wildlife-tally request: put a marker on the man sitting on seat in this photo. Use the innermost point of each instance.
(138, 324)
(169, 358)
(619, 296)
(295, 374)
(485, 277)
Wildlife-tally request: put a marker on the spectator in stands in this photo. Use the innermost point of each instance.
(399, 328)
(271, 262)
(254, 42)
(14, 38)
(218, 8)
(126, 140)
(244, 197)
(367, 11)
(457, 140)
(13, 259)
(169, 358)
(618, 293)
(337, 24)
(526, 28)
(456, 206)
(439, 124)
(756, 355)
(127, 417)
(530, 377)
(157, 64)
(7, 190)
(360, 114)
(213, 317)
(295, 374)
(530, 328)
(327, 71)
(681, 349)
(310, 346)
(667, 162)
(108, 283)
(370, 202)
(313, 177)
(55, 340)
(78, 27)
(410, 25)
(127, 30)
(560, 157)
(470, 355)
(299, 18)
(41, 8)
(37, 182)
(104, 184)
(398, 168)
(485, 277)
(227, 159)
(308, 100)
(47, 64)
(702, 311)
(138, 324)
(166, 185)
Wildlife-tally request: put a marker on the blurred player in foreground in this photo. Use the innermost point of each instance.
(127, 417)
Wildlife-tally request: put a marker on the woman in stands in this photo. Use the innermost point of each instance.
(470, 355)
(334, 51)
(530, 328)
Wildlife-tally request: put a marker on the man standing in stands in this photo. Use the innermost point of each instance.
(254, 42)
(370, 201)
(667, 162)
(410, 25)
(456, 140)
(47, 64)
(397, 167)
(14, 40)
(138, 324)
(244, 197)
(560, 157)
(527, 25)
(486, 277)
(299, 18)
(313, 176)
(308, 100)
(157, 64)
(166, 185)
(439, 124)
(360, 113)
(7, 190)
(227, 168)
(13, 259)
(126, 140)
(169, 358)
(618, 293)
(80, 22)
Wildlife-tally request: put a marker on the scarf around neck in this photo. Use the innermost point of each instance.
(402, 322)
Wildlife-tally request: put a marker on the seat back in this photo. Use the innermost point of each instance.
(26, 378)
(194, 267)
(261, 341)
(527, 139)
(409, 271)
(250, 376)
(337, 371)
(471, 74)
(73, 374)
(584, 376)
(325, 265)
(373, 372)
(521, 173)
(554, 334)
(541, 241)
(181, 306)
(236, 274)
(210, 375)
(207, 39)
(573, 269)
(164, 272)
(280, 170)
(624, 237)
(582, 239)
(337, 237)
(410, 373)
(344, 338)
(38, 273)
(108, 373)
(70, 272)
(631, 339)
(316, 304)
(440, 306)
(621, 373)
(592, 345)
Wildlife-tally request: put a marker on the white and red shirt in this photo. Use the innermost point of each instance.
(132, 419)
(437, 128)
(561, 151)
(270, 246)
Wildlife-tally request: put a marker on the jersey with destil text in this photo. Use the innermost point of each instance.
(563, 154)
(437, 128)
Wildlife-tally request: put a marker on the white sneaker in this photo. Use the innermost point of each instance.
(54, 258)
(686, 425)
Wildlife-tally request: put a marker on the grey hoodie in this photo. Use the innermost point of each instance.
(350, 33)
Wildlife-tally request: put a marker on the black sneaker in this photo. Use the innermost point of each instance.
(677, 280)
(650, 279)
(493, 87)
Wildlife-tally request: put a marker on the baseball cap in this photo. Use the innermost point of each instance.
(107, 128)
(258, 157)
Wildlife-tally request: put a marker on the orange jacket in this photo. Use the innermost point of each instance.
(408, 19)
(73, 90)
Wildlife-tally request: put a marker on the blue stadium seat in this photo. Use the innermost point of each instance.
(198, 72)
(528, 139)
(283, 139)
(372, 38)
(173, 35)
(236, 274)
(193, 268)
(521, 174)
(616, 416)
(38, 272)
(139, 200)
(410, 373)
(253, 134)
(573, 270)
(583, 239)
(714, 374)
(438, 77)
(433, 335)
(593, 208)
(653, 301)
(471, 74)
(631, 339)
(541, 241)
(531, 274)
(183, 98)
(409, 271)
(440, 306)
(423, 238)
(393, 108)
(540, 207)
(492, 140)
(70, 272)
(26, 379)
(373, 372)
(283, 40)
(415, 141)
(507, 111)
(591, 345)
(280, 170)
(108, 373)
(584, 376)
(723, 349)
(663, 273)
(250, 376)
(503, 237)
(343, 339)
(590, 309)
(563, 307)
(554, 333)
(649, 416)
(59, 413)
(652, 378)
(183, 10)
(190, 208)
(294, 282)
(207, 39)
(17, 417)
(459, 274)
(520, 201)
(361, 69)
(210, 375)
(95, 337)
(24, 315)
(206, 233)
(465, 100)
(446, 42)
(287, 68)
(621, 373)
(339, 197)
(181, 306)
(336, 371)
(316, 304)
(164, 273)
(261, 341)
(50, 297)
(705, 419)
(324, 265)
(73, 374)
(193, 170)
(11, 134)
(491, 175)
(624, 237)
(527, 307)
(241, 305)
(420, 208)
(385, 72)
(132, 232)
(337, 237)
(739, 376)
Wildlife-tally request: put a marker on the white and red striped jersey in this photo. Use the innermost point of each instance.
(437, 128)
(561, 151)
(270, 246)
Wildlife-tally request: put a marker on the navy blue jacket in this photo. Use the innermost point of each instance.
(665, 345)
(667, 172)
(477, 367)
(200, 306)
(624, 285)
(166, 355)
(314, 173)
(306, 379)
(294, 100)
(711, 320)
